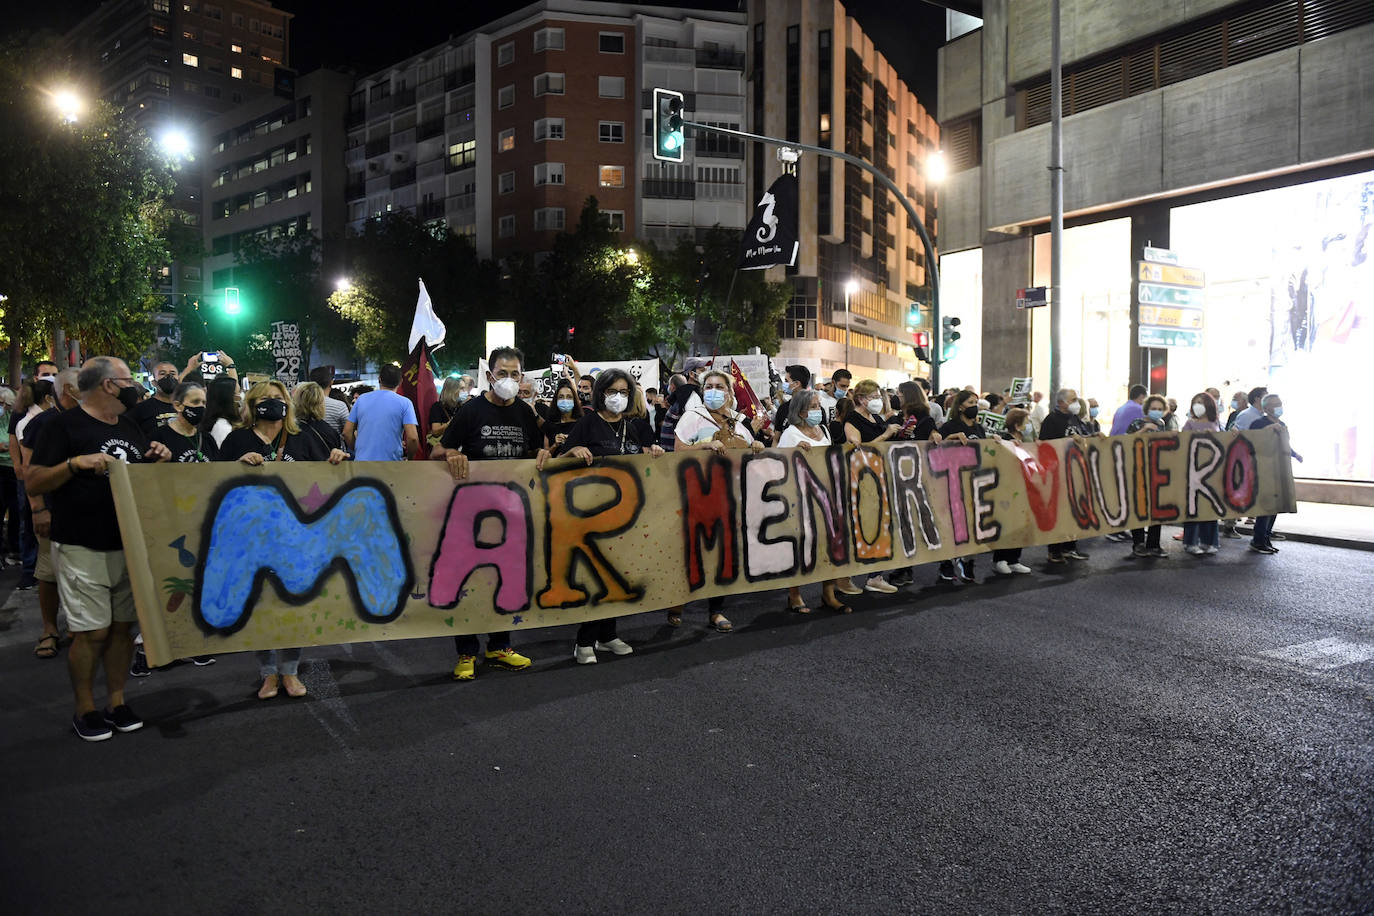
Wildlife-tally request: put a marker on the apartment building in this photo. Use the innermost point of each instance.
(504, 132)
(815, 77)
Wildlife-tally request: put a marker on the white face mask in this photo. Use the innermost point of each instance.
(1199, 410)
(505, 388)
(875, 405)
(616, 402)
(1073, 407)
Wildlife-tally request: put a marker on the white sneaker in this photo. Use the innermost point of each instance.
(1002, 568)
(1020, 569)
(1194, 549)
(879, 584)
(1209, 549)
(617, 645)
(584, 655)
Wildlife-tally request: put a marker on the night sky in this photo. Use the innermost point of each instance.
(352, 34)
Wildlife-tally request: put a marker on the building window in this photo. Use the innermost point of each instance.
(506, 226)
(213, 12)
(505, 141)
(160, 6)
(611, 42)
(548, 40)
(190, 34)
(505, 184)
(610, 87)
(611, 131)
(615, 220)
(190, 60)
(236, 72)
(548, 84)
(547, 219)
(462, 154)
(505, 53)
(236, 48)
(548, 129)
(548, 173)
(612, 176)
(505, 96)
(235, 18)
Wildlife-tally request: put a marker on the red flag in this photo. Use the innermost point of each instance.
(417, 383)
(746, 402)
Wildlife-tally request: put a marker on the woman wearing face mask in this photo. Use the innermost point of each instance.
(806, 429)
(182, 434)
(318, 438)
(1201, 538)
(1145, 541)
(607, 429)
(1008, 562)
(1088, 410)
(272, 435)
(561, 415)
(222, 411)
(1262, 541)
(867, 421)
(442, 411)
(961, 426)
(712, 425)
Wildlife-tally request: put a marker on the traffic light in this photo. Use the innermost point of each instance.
(949, 337)
(922, 345)
(231, 301)
(668, 125)
(913, 316)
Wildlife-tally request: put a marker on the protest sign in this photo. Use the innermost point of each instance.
(1020, 391)
(992, 422)
(286, 351)
(227, 558)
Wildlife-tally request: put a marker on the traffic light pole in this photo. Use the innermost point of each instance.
(937, 350)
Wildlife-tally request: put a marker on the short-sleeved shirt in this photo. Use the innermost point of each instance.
(317, 440)
(483, 430)
(381, 417)
(601, 437)
(1145, 424)
(35, 426)
(242, 441)
(793, 436)
(697, 425)
(83, 511)
(970, 431)
(920, 431)
(151, 415)
(868, 429)
(335, 414)
(439, 412)
(196, 448)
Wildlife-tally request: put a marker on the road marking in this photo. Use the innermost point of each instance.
(1324, 654)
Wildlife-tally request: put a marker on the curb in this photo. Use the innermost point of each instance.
(1319, 539)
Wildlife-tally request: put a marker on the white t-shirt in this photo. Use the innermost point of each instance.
(696, 425)
(792, 436)
(220, 429)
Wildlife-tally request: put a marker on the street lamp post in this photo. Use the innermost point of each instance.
(850, 289)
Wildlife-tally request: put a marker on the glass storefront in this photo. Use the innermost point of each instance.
(961, 296)
(1289, 305)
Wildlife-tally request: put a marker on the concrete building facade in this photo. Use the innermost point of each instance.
(815, 77)
(503, 133)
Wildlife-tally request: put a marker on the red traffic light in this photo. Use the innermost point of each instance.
(922, 338)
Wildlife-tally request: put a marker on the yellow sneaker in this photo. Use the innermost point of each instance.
(508, 658)
(466, 669)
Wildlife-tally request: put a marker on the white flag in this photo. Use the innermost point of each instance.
(426, 323)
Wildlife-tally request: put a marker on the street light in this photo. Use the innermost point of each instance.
(176, 143)
(850, 289)
(68, 104)
(937, 170)
(343, 284)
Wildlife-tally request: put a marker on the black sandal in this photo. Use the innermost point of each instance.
(799, 609)
(838, 608)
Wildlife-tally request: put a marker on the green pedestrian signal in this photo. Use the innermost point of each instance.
(668, 139)
(231, 300)
(949, 347)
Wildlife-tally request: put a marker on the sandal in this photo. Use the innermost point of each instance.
(722, 623)
(799, 609)
(674, 618)
(838, 608)
(42, 651)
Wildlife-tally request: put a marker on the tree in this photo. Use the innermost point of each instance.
(280, 280)
(82, 215)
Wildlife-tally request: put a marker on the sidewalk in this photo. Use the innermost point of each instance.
(1329, 524)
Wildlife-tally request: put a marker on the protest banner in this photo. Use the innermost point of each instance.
(286, 352)
(225, 558)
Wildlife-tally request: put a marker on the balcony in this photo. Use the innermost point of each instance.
(355, 190)
(430, 209)
(719, 190)
(403, 177)
(356, 116)
(378, 146)
(460, 202)
(720, 58)
(404, 99)
(669, 189)
(657, 55)
(460, 78)
(429, 129)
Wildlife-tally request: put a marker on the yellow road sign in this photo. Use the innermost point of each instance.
(1167, 316)
(1169, 273)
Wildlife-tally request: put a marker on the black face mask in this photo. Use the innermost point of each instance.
(193, 415)
(129, 397)
(270, 409)
(167, 384)
(971, 413)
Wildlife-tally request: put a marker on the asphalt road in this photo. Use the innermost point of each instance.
(1111, 739)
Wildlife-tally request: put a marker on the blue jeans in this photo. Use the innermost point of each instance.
(1204, 534)
(1264, 526)
(268, 661)
(28, 544)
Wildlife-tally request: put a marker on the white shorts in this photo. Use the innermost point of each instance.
(93, 586)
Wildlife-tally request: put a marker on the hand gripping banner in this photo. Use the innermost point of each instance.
(225, 558)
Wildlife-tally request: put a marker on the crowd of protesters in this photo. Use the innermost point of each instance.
(65, 428)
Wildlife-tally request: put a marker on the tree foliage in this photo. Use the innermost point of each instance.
(82, 215)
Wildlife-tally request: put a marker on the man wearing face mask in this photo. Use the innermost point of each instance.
(1090, 421)
(798, 379)
(156, 412)
(1062, 423)
(491, 426)
(71, 464)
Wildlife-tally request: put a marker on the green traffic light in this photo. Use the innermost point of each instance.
(231, 301)
(670, 142)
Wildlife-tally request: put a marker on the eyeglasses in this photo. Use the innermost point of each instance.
(117, 378)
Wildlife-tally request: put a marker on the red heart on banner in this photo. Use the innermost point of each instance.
(1042, 483)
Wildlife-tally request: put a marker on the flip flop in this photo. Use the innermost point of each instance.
(722, 623)
(839, 608)
(674, 620)
(42, 651)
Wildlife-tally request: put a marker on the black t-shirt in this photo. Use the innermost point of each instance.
(919, 431)
(624, 437)
(151, 415)
(868, 429)
(36, 425)
(1146, 425)
(242, 441)
(193, 449)
(957, 425)
(15, 417)
(440, 413)
(483, 430)
(559, 428)
(83, 511)
(317, 439)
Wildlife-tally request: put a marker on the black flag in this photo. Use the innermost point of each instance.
(770, 239)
